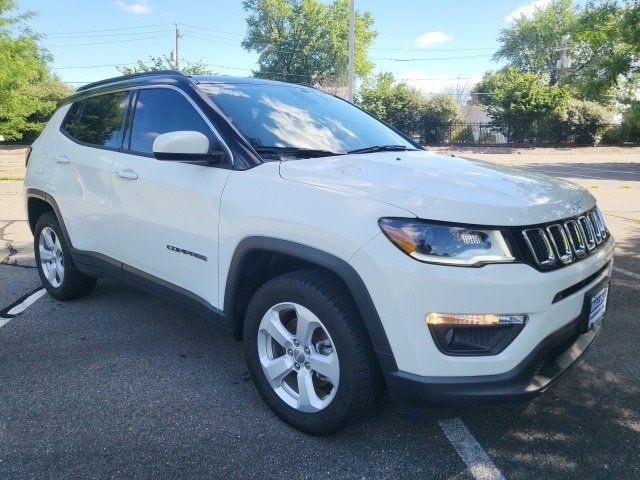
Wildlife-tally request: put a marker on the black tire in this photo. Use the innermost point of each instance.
(360, 379)
(74, 283)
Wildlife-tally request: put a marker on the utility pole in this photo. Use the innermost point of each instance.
(351, 50)
(178, 37)
(565, 61)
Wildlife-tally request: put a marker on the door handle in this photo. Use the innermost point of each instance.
(62, 159)
(127, 173)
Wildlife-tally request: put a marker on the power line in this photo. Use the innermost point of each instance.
(424, 59)
(104, 43)
(433, 50)
(212, 29)
(109, 35)
(110, 29)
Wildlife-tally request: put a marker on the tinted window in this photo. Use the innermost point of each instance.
(102, 120)
(273, 115)
(69, 123)
(159, 111)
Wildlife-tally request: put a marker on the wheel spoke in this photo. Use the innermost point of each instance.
(45, 255)
(306, 324)
(59, 270)
(51, 237)
(56, 244)
(326, 365)
(50, 273)
(277, 369)
(274, 327)
(308, 400)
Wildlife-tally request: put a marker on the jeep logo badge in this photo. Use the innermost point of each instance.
(576, 205)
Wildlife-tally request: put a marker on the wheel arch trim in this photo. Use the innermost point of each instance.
(47, 198)
(322, 259)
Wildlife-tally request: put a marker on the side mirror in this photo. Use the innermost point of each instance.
(188, 147)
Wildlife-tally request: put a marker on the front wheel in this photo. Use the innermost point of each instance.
(308, 353)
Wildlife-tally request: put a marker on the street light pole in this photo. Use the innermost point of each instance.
(177, 48)
(351, 50)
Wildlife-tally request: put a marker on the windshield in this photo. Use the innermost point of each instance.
(298, 117)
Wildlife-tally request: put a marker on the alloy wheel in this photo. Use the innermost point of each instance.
(298, 357)
(51, 257)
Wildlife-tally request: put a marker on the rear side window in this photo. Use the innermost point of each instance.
(71, 119)
(102, 120)
(161, 110)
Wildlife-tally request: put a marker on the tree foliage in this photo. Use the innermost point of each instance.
(28, 91)
(164, 62)
(532, 44)
(408, 109)
(306, 41)
(520, 102)
(607, 38)
(602, 39)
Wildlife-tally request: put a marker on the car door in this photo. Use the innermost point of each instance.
(81, 179)
(166, 213)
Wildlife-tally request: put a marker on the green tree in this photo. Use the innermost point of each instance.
(532, 43)
(437, 115)
(586, 121)
(396, 103)
(520, 103)
(163, 62)
(602, 39)
(426, 119)
(306, 41)
(607, 36)
(28, 91)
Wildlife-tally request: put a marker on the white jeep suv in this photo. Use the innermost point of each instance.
(344, 255)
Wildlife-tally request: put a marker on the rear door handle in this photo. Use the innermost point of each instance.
(127, 173)
(62, 159)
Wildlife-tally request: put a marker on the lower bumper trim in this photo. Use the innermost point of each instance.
(549, 361)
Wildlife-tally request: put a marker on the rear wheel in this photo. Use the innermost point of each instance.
(57, 271)
(308, 353)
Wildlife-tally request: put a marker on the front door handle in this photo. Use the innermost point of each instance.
(62, 159)
(127, 173)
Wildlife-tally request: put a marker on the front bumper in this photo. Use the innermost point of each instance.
(546, 363)
(418, 374)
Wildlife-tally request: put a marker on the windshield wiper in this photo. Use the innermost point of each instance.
(297, 152)
(381, 148)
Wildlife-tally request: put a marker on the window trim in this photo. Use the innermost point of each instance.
(128, 122)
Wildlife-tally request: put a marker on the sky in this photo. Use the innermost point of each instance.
(432, 44)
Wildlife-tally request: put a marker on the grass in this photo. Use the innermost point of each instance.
(12, 178)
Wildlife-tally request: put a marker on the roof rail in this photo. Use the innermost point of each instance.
(129, 77)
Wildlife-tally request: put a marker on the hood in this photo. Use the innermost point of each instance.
(439, 187)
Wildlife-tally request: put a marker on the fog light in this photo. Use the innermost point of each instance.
(474, 334)
(475, 319)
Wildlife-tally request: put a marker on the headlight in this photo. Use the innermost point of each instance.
(447, 244)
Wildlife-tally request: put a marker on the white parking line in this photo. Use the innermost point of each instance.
(627, 272)
(477, 460)
(21, 307)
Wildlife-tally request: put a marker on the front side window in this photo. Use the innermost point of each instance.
(294, 116)
(162, 110)
(102, 120)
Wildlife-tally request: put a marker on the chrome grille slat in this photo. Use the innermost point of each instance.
(560, 243)
(587, 230)
(578, 243)
(567, 241)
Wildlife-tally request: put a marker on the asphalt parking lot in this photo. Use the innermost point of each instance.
(122, 384)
